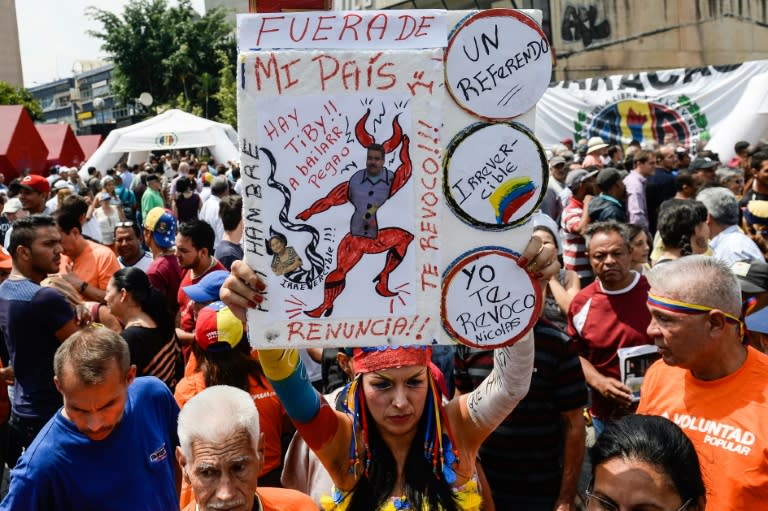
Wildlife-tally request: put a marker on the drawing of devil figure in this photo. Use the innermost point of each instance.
(367, 191)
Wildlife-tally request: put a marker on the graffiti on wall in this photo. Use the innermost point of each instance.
(582, 23)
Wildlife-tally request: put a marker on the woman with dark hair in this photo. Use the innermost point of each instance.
(645, 462)
(683, 230)
(284, 258)
(561, 288)
(148, 325)
(396, 445)
(187, 203)
(223, 357)
(640, 245)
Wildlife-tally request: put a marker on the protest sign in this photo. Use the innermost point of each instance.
(344, 164)
(488, 300)
(498, 63)
(493, 174)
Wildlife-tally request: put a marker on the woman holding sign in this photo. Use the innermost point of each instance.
(395, 446)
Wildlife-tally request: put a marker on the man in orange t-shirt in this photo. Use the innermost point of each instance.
(221, 453)
(85, 264)
(708, 382)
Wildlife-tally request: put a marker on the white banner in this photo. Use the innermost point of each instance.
(690, 103)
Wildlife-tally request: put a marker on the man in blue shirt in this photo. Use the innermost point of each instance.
(34, 320)
(111, 446)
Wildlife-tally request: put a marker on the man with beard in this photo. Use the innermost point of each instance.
(194, 250)
(34, 321)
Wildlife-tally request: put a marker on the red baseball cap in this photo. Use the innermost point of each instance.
(35, 183)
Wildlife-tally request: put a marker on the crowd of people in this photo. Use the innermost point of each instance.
(128, 382)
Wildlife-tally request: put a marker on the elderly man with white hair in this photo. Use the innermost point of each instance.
(707, 381)
(728, 243)
(221, 453)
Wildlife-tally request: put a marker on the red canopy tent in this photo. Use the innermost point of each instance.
(63, 147)
(89, 144)
(20, 144)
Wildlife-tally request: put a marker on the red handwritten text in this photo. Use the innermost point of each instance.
(406, 326)
(348, 27)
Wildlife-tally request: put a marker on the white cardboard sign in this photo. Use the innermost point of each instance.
(314, 91)
(488, 300)
(498, 64)
(346, 261)
(495, 175)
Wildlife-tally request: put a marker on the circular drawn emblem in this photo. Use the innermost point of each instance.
(494, 175)
(488, 301)
(498, 64)
(166, 139)
(621, 121)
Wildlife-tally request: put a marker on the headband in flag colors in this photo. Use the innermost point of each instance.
(672, 305)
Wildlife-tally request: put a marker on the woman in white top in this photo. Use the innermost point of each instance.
(108, 216)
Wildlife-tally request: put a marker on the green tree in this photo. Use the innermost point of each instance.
(226, 96)
(10, 95)
(166, 51)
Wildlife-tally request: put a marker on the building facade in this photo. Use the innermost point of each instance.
(595, 38)
(10, 56)
(56, 100)
(85, 101)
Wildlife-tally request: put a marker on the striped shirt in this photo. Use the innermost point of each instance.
(522, 457)
(574, 246)
(155, 353)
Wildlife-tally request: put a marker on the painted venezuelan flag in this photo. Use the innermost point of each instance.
(510, 196)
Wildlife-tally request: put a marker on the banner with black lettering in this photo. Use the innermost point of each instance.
(691, 104)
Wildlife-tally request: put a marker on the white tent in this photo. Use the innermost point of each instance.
(168, 131)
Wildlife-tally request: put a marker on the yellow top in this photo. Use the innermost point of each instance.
(467, 495)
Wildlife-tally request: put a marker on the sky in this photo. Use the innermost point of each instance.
(53, 35)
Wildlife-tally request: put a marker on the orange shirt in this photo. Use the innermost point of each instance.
(276, 499)
(96, 264)
(272, 417)
(726, 421)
